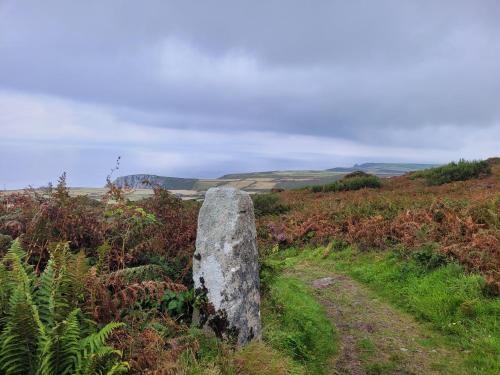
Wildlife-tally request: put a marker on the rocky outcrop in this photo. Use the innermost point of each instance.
(225, 266)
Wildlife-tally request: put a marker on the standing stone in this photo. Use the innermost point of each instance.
(225, 266)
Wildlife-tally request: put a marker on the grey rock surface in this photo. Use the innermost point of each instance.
(225, 265)
(323, 283)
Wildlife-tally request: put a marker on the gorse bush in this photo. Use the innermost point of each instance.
(461, 171)
(42, 330)
(352, 183)
(268, 204)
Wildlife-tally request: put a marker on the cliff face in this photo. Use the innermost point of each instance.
(138, 181)
(148, 181)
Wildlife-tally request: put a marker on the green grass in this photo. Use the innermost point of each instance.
(354, 183)
(295, 323)
(446, 297)
(442, 294)
(461, 171)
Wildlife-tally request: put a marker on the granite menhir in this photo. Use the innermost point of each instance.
(226, 268)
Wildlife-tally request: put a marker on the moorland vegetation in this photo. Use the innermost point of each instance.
(130, 306)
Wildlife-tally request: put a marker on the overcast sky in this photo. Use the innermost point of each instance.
(203, 88)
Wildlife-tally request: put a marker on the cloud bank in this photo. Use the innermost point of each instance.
(206, 88)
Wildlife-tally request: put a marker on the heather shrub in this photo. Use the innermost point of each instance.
(355, 174)
(460, 171)
(352, 183)
(268, 204)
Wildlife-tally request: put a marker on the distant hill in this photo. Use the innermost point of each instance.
(393, 169)
(256, 182)
(271, 174)
(148, 181)
(384, 168)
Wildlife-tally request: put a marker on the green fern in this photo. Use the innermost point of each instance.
(16, 251)
(19, 337)
(4, 293)
(94, 348)
(41, 331)
(54, 293)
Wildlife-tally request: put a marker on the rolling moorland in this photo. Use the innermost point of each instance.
(359, 275)
(139, 186)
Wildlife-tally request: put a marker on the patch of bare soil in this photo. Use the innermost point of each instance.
(374, 337)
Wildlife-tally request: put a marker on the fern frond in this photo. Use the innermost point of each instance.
(19, 336)
(119, 368)
(22, 328)
(44, 295)
(5, 292)
(100, 361)
(94, 342)
(95, 354)
(19, 272)
(70, 343)
(55, 294)
(40, 333)
(60, 354)
(77, 273)
(16, 251)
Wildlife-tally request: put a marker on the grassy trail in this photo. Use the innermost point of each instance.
(373, 336)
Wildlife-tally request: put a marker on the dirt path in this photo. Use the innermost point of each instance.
(374, 337)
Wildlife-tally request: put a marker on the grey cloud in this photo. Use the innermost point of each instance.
(386, 72)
